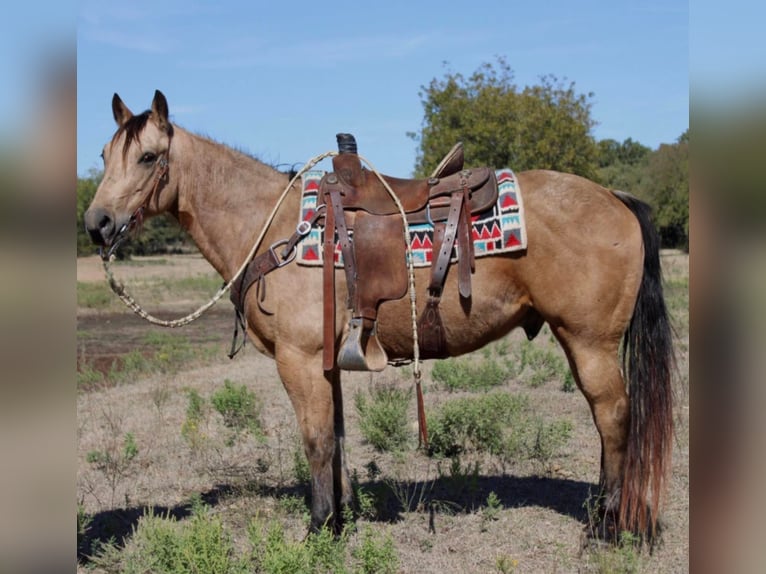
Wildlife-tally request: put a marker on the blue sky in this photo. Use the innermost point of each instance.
(280, 79)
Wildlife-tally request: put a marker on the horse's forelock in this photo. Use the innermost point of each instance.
(132, 129)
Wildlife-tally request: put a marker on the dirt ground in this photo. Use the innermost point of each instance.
(539, 528)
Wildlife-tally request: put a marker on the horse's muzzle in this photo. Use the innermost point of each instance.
(100, 226)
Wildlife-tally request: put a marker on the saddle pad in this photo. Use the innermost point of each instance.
(498, 230)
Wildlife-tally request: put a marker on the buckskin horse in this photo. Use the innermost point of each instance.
(591, 270)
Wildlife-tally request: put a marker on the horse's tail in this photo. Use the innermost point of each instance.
(648, 363)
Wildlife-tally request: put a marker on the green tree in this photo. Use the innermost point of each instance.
(86, 189)
(667, 189)
(544, 126)
(622, 165)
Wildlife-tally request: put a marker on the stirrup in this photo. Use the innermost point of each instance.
(361, 351)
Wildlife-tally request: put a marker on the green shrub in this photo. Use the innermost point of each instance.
(195, 416)
(466, 375)
(115, 460)
(162, 545)
(538, 366)
(376, 554)
(301, 470)
(383, 419)
(486, 424)
(274, 554)
(239, 407)
(549, 438)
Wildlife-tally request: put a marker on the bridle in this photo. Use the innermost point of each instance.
(137, 218)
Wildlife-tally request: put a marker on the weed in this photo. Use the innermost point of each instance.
(162, 545)
(114, 460)
(463, 481)
(320, 552)
(622, 557)
(301, 470)
(505, 564)
(293, 505)
(383, 419)
(365, 501)
(88, 377)
(568, 386)
(195, 416)
(538, 365)
(160, 396)
(491, 512)
(548, 440)
(240, 409)
(83, 525)
(412, 494)
(376, 554)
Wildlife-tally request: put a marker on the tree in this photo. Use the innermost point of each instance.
(86, 189)
(667, 190)
(622, 165)
(543, 126)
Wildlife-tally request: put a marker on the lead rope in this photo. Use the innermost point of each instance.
(125, 297)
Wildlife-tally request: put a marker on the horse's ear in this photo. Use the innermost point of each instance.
(120, 111)
(160, 110)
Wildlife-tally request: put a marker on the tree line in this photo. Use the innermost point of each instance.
(544, 126)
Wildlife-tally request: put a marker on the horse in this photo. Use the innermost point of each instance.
(591, 271)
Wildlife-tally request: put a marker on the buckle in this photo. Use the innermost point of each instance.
(289, 259)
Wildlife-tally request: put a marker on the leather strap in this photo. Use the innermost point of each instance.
(349, 261)
(466, 264)
(264, 263)
(442, 261)
(328, 289)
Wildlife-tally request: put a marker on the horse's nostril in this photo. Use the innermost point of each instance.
(100, 225)
(106, 225)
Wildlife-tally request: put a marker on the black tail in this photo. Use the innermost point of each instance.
(649, 362)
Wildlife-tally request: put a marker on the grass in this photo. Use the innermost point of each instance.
(164, 352)
(150, 291)
(94, 295)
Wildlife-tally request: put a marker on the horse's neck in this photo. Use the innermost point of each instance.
(224, 198)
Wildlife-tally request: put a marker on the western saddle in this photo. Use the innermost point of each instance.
(374, 255)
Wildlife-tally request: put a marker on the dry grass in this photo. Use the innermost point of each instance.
(538, 526)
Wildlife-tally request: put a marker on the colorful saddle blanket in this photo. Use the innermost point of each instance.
(500, 229)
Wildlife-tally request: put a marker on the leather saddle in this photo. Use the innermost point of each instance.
(367, 224)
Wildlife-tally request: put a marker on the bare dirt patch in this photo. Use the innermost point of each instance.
(538, 528)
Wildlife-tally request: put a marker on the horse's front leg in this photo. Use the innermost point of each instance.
(317, 399)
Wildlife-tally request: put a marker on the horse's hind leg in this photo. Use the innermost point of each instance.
(596, 369)
(317, 399)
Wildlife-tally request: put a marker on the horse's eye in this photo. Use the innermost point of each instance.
(148, 157)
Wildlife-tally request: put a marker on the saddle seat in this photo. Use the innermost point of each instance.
(375, 257)
(423, 200)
